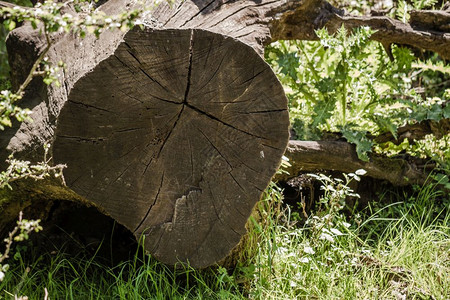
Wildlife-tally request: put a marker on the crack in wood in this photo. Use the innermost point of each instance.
(150, 95)
(94, 140)
(163, 231)
(170, 132)
(235, 180)
(154, 80)
(186, 94)
(198, 13)
(253, 77)
(124, 64)
(129, 129)
(147, 165)
(232, 14)
(91, 106)
(134, 56)
(188, 85)
(215, 148)
(177, 10)
(151, 206)
(222, 122)
(215, 72)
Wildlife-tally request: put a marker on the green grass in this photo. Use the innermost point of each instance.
(399, 250)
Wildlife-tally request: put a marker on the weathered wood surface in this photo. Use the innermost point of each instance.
(174, 133)
(176, 136)
(311, 156)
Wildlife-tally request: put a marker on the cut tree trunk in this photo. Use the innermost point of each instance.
(174, 130)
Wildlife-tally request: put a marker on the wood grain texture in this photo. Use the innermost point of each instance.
(175, 136)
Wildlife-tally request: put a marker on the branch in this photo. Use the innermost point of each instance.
(429, 30)
(4, 4)
(309, 156)
(430, 19)
(36, 64)
(391, 31)
(7, 4)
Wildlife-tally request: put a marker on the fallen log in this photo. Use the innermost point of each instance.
(174, 130)
(313, 156)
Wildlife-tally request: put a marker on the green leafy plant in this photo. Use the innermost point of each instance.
(347, 84)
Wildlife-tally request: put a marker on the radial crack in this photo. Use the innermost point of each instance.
(222, 122)
(186, 94)
(214, 146)
(134, 56)
(237, 182)
(170, 132)
(154, 80)
(91, 106)
(151, 206)
(188, 85)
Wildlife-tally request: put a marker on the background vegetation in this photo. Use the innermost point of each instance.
(398, 247)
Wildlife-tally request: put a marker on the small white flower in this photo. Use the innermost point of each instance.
(282, 251)
(336, 231)
(360, 172)
(2, 276)
(304, 260)
(326, 236)
(308, 250)
(347, 225)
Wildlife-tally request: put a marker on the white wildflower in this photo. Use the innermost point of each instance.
(308, 250)
(326, 236)
(336, 231)
(360, 172)
(304, 260)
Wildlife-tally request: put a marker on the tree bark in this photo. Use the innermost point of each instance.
(427, 30)
(309, 156)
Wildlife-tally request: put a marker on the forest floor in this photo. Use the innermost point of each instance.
(395, 248)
